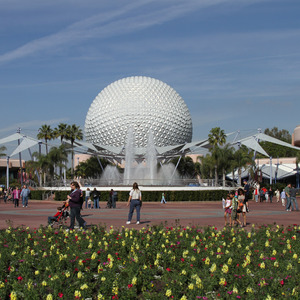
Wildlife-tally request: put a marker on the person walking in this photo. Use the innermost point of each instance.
(135, 202)
(293, 194)
(283, 197)
(277, 194)
(75, 204)
(25, 195)
(87, 196)
(270, 194)
(288, 197)
(163, 199)
(16, 196)
(96, 196)
(114, 198)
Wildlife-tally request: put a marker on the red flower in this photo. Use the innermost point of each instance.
(282, 282)
(60, 295)
(168, 269)
(20, 278)
(182, 259)
(129, 286)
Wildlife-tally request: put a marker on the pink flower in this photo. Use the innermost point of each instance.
(20, 278)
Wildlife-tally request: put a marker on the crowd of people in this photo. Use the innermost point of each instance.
(15, 195)
(236, 204)
(287, 196)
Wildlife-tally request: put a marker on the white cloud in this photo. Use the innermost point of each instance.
(126, 19)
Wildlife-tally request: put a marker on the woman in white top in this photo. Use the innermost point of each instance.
(135, 202)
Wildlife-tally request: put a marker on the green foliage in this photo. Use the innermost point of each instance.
(278, 150)
(91, 168)
(150, 263)
(155, 196)
(186, 167)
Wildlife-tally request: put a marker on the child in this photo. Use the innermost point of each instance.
(54, 218)
(163, 200)
(234, 204)
(89, 202)
(227, 210)
(283, 197)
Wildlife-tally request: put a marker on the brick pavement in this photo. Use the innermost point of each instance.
(153, 213)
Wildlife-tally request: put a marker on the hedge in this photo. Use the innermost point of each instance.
(155, 196)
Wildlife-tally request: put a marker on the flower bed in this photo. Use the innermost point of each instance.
(152, 263)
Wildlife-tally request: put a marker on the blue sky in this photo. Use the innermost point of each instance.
(236, 63)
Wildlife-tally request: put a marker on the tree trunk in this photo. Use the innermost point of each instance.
(240, 176)
(216, 175)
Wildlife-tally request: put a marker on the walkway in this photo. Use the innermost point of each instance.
(153, 213)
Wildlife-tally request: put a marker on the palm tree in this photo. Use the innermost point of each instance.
(242, 158)
(73, 133)
(59, 157)
(186, 167)
(61, 131)
(42, 164)
(216, 138)
(2, 149)
(225, 157)
(46, 133)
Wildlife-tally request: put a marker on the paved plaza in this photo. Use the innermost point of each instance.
(152, 213)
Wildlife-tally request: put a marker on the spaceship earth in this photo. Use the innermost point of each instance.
(142, 104)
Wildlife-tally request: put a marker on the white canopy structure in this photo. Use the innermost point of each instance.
(166, 153)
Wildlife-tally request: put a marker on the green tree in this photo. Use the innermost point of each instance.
(73, 133)
(61, 131)
(277, 150)
(225, 158)
(242, 159)
(59, 157)
(2, 149)
(91, 168)
(207, 166)
(216, 138)
(46, 133)
(186, 167)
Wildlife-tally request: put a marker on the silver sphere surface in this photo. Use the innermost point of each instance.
(144, 104)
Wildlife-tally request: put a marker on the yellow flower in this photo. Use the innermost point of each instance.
(225, 269)
(37, 272)
(229, 261)
(67, 274)
(168, 293)
(222, 281)
(191, 286)
(79, 275)
(77, 294)
(295, 256)
(100, 297)
(235, 290)
(276, 264)
(49, 297)
(213, 268)
(84, 287)
(134, 280)
(183, 297)
(183, 272)
(103, 279)
(249, 290)
(267, 244)
(262, 265)
(207, 261)
(44, 283)
(289, 266)
(2, 285)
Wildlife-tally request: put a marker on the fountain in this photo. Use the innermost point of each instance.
(144, 170)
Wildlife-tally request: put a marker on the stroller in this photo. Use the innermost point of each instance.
(62, 218)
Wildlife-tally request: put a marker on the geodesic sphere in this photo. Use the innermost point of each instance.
(144, 104)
